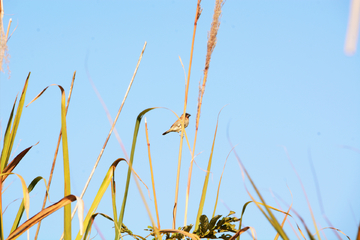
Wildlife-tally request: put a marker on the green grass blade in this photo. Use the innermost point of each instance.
(113, 199)
(90, 223)
(17, 119)
(9, 138)
(104, 185)
(6, 143)
(2, 165)
(203, 194)
(136, 131)
(67, 189)
(12, 127)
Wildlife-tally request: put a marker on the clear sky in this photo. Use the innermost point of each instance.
(280, 65)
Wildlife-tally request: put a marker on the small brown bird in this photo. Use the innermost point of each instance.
(176, 127)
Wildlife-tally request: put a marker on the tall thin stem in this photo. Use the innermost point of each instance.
(198, 12)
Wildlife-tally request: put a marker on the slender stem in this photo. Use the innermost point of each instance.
(152, 175)
(198, 11)
(210, 48)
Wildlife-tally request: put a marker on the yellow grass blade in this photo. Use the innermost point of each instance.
(338, 230)
(285, 217)
(197, 16)
(22, 205)
(41, 215)
(102, 189)
(271, 218)
(25, 195)
(152, 175)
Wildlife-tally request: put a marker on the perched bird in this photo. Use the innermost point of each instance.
(176, 127)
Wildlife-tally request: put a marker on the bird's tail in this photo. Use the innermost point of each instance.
(165, 133)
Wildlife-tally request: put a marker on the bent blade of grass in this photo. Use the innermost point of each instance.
(305, 194)
(55, 155)
(279, 206)
(218, 191)
(285, 217)
(67, 190)
(22, 205)
(338, 230)
(271, 218)
(270, 207)
(242, 214)
(10, 167)
(26, 199)
(90, 223)
(206, 181)
(156, 230)
(319, 195)
(136, 131)
(238, 233)
(41, 215)
(298, 215)
(273, 208)
(253, 233)
(102, 189)
(88, 228)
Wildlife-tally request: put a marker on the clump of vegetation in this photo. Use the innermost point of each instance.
(215, 227)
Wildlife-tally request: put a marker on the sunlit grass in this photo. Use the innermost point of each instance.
(217, 226)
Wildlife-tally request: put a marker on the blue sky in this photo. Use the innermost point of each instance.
(280, 66)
